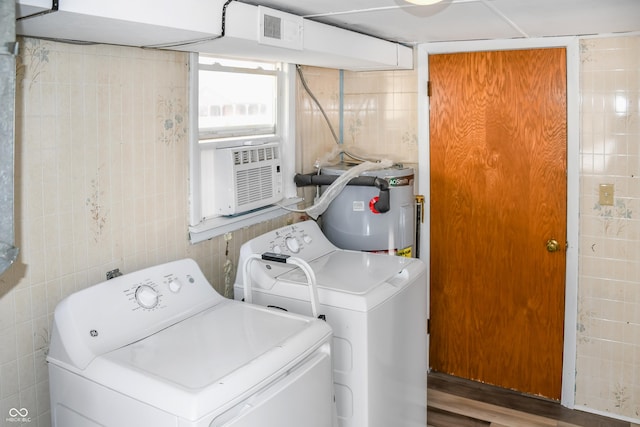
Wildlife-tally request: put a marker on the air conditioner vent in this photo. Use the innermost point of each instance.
(254, 184)
(246, 178)
(254, 155)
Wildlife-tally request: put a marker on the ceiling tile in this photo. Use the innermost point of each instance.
(571, 17)
(456, 21)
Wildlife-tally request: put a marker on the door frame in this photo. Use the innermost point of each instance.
(573, 172)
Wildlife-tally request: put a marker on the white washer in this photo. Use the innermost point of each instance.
(160, 347)
(377, 307)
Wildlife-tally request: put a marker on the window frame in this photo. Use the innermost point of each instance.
(200, 228)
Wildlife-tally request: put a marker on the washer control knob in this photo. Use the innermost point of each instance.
(276, 249)
(292, 244)
(146, 296)
(307, 239)
(175, 285)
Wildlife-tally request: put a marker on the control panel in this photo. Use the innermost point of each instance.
(304, 240)
(128, 308)
(151, 293)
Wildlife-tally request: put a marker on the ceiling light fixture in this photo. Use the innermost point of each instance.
(423, 2)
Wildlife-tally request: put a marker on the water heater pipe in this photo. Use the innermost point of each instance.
(382, 205)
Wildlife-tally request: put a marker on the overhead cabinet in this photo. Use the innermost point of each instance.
(122, 22)
(26, 8)
(231, 29)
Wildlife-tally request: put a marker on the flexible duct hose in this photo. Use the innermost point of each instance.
(338, 185)
(382, 205)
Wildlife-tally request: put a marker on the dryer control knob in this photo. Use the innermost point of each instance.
(146, 296)
(175, 285)
(292, 244)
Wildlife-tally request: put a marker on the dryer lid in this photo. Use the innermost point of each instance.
(210, 359)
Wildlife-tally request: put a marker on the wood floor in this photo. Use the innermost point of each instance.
(460, 403)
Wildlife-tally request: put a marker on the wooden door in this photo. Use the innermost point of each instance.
(498, 139)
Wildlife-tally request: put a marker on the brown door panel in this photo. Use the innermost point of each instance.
(498, 194)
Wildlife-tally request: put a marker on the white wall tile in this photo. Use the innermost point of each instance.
(609, 275)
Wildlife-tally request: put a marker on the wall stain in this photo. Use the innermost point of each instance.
(32, 60)
(97, 211)
(172, 115)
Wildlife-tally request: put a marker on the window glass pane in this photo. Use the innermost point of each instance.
(235, 103)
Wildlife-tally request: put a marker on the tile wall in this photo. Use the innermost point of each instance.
(608, 349)
(101, 183)
(379, 115)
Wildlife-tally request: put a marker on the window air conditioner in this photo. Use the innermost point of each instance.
(247, 178)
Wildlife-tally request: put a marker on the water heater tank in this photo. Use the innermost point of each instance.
(352, 222)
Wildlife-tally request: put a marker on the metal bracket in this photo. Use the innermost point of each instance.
(10, 48)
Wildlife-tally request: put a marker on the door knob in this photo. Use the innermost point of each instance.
(553, 245)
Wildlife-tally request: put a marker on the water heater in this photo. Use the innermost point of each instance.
(352, 222)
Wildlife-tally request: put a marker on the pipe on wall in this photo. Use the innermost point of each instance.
(8, 49)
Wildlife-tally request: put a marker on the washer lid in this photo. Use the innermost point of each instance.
(352, 280)
(210, 360)
(351, 272)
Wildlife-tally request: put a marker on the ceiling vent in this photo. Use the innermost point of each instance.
(280, 29)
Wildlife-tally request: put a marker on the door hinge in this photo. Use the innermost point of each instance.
(429, 88)
(428, 326)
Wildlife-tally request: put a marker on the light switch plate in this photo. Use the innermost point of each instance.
(606, 195)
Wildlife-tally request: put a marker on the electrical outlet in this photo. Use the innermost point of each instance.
(606, 195)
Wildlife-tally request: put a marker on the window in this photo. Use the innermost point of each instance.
(239, 109)
(236, 99)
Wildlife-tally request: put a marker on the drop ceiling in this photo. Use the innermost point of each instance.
(459, 20)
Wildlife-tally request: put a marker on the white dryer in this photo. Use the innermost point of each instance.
(160, 347)
(376, 305)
